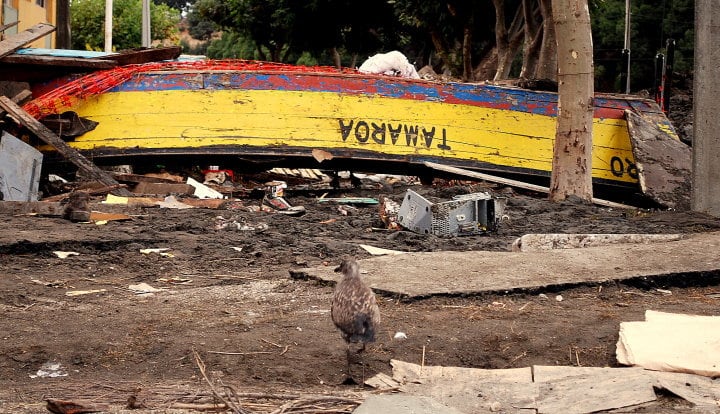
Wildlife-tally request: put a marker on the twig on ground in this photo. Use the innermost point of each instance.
(271, 343)
(313, 404)
(518, 357)
(198, 407)
(238, 353)
(236, 409)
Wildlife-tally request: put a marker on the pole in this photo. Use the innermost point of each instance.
(659, 85)
(108, 25)
(667, 74)
(146, 23)
(626, 47)
(706, 106)
(62, 16)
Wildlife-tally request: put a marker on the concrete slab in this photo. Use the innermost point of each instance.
(431, 273)
(544, 389)
(403, 404)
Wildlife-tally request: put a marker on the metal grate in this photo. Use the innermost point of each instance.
(468, 214)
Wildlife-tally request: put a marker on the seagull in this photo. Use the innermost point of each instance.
(354, 310)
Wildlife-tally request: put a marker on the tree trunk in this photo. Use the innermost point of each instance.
(261, 52)
(572, 153)
(508, 41)
(441, 50)
(532, 42)
(487, 67)
(547, 63)
(501, 38)
(467, 54)
(336, 58)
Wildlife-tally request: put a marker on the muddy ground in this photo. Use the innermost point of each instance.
(228, 303)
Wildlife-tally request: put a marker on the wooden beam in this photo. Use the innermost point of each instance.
(511, 183)
(9, 25)
(75, 62)
(20, 98)
(61, 146)
(134, 56)
(17, 41)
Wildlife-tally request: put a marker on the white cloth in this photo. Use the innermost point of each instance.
(392, 63)
(672, 342)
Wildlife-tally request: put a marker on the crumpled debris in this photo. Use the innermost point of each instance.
(389, 213)
(162, 251)
(50, 370)
(65, 255)
(222, 223)
(144, 289)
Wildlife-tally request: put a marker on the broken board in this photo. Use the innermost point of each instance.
(664, 164)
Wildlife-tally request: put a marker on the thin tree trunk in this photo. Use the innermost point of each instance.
(467, 54)
(261, 52)
(547, 63)
(533, 35)
(336, 57)
(572, 153)
(508, 40)
(487, 67)
(441, 50)
(501, 38)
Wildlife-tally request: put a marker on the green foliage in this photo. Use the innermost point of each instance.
(181, 5)
(88, 24)
(199, 49)
(651, 25)
(285, 30)
(306, 31)
(198, 27)
(443, 23)
(232, 46)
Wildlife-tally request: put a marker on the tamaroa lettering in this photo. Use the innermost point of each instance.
(392, 134)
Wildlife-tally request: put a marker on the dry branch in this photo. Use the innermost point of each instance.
(232, 405)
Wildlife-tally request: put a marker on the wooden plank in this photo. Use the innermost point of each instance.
(699, 390)
(137, 178)
(9, 25)
(163, 188)
(44, 208)
(63, 148)
(586, 389)
(512, 183)
(20, 98)
(664, 164)
(135, 56)
(90, 63)
(470, 390)
(16, 41)
(36, 73)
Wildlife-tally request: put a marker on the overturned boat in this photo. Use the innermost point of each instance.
(238, 113)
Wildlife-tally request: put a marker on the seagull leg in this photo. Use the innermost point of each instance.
(362, 361)
(347, 354)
